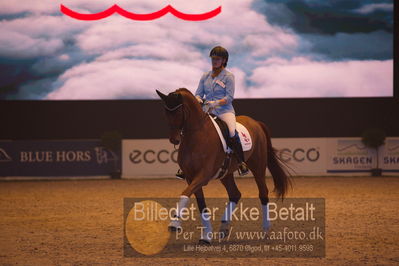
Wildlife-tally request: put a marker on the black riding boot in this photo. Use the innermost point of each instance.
(180, 174)
(235, 145)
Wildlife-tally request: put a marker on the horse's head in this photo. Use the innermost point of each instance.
(174, 109)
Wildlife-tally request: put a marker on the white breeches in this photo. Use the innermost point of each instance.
(230, 119)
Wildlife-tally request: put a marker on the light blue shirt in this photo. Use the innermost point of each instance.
(218, 88)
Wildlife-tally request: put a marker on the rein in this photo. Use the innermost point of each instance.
(184, 117)
(174, 108)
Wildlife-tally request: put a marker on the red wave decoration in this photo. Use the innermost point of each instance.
(142, 17)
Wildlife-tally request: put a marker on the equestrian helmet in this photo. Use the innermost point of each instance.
(220, 51)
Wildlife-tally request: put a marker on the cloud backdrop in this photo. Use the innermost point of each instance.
(282, 48)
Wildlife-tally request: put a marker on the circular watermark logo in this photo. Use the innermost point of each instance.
(145, 234)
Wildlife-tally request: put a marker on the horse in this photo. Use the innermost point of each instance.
(201, 155)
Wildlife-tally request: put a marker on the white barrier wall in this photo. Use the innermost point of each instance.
(349, 155)
(306, 156)
(148, 158)
(389, 156)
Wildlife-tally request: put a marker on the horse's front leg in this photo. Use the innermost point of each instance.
(175, 224)
(195, 186)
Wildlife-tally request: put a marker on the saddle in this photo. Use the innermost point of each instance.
(224, 135)
(222, 126)
(223, 132)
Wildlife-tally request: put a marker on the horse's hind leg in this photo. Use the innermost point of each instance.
(205, 216)
(258, 168)
(234, 197)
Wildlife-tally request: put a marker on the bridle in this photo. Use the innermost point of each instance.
(180, 128)
(175, 108)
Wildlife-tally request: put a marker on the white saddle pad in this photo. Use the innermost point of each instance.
(245, 137)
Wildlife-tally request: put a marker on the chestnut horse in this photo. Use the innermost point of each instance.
(201, 155)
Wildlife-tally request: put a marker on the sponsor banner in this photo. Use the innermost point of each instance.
(158, 158)
(56, 158)
(151, 158)
(305, 156)
(349, 155)
(389, 155)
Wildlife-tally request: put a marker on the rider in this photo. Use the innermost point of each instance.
(217, 86)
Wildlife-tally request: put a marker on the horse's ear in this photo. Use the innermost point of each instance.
(163, 96)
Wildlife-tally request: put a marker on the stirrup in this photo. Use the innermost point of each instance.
(180, 174)
(243, 169)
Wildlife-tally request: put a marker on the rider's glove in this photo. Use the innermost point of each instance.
(213, 104)
(199, 99)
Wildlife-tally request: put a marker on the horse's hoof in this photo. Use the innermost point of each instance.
(174, 229)
(266, 227)
(224, 233)
(224, 230)
(204, 242)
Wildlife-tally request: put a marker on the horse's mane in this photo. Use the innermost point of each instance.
(186, 94)
(189, 99)
(185, 91)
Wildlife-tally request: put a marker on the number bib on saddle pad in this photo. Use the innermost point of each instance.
(245, 138)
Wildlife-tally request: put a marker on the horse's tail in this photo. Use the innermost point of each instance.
(276, 166)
